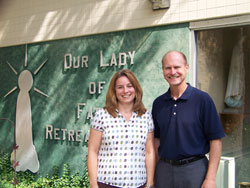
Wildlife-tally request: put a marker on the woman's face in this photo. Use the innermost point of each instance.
(125, 92)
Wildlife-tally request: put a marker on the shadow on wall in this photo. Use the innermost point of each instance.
(66, 19)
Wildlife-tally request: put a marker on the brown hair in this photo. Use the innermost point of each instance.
(111, 100)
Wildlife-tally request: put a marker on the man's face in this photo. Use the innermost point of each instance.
(175, 69)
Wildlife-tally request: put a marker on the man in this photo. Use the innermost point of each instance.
(187, 127)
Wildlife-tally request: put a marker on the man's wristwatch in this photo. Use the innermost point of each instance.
(149, 186)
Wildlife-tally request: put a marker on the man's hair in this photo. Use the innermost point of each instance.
(111, 103)
(176, 51)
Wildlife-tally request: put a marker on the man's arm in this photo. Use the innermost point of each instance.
(214, 159)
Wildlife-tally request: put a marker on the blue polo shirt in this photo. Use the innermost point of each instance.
(186, 125)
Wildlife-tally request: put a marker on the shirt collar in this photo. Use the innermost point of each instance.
(184, 96)
(117, 111)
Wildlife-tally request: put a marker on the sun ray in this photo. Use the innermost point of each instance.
(12, 68)
(36, 71)
(26, 56)
(13, 89)
(39, 91)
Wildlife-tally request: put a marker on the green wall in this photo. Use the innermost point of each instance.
(67, 88)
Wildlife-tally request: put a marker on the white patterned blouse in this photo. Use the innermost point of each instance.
(121, 157)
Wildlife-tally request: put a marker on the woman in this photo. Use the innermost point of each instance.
(121, 148)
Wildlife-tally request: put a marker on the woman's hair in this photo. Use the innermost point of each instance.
(111, 100)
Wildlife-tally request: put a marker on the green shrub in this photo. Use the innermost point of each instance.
(28, 180)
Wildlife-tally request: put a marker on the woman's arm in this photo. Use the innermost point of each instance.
(157, 145)
(95, 139)
(150, 159)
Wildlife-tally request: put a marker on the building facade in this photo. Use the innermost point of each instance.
(77, 45)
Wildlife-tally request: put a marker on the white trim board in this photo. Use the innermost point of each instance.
(220, 23)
